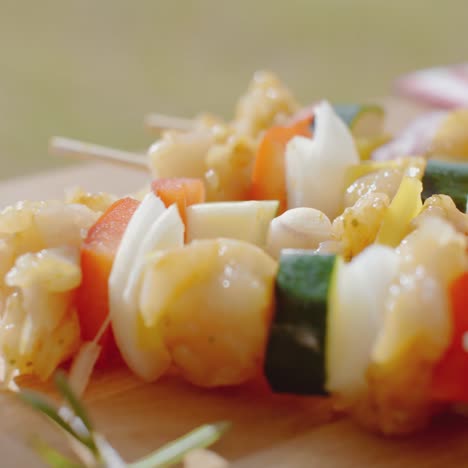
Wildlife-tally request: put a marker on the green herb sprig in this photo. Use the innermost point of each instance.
(92, 448)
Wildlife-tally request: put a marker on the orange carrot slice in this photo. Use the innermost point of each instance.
(269, 178)
(183, 191)
(97, 257)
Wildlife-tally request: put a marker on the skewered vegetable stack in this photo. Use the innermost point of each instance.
(268, 245)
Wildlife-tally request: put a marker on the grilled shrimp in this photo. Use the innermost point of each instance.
(444, 207)
(358, 226)
(266, 103)
(39, 264)
(211, 309)
(416, 329)
(98, 202)
(229, 166)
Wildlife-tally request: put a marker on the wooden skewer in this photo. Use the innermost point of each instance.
(158, 122)
(65, 147)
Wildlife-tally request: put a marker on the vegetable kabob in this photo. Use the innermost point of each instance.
(37, 228)
(192, 287)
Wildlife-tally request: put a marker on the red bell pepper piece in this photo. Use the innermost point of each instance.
(450, 377)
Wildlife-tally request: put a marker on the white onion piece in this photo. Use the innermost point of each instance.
(315, 168)
(166, 232)
(149, 210)
(357, 315)
(145, 233)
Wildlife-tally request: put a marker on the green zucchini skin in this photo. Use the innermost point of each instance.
(295, 356)
(448, 178)
(348, 112)
(363, 120)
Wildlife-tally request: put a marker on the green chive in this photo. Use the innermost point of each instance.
(175, 451)
(62, 385)
(39, 403)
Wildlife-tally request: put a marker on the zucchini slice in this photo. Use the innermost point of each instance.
(448, 178)
(295, 356)
(364, 120)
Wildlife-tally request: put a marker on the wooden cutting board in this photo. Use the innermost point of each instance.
(267, 431)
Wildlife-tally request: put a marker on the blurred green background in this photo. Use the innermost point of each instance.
(91, 69)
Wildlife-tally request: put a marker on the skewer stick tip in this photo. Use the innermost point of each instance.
(66, 147)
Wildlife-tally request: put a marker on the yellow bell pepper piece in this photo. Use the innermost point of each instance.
(404, 207)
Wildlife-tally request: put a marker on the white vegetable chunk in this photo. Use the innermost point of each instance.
(247, 221)
(357, 316)
(166, 232)
(152, 227)
(315, 168)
